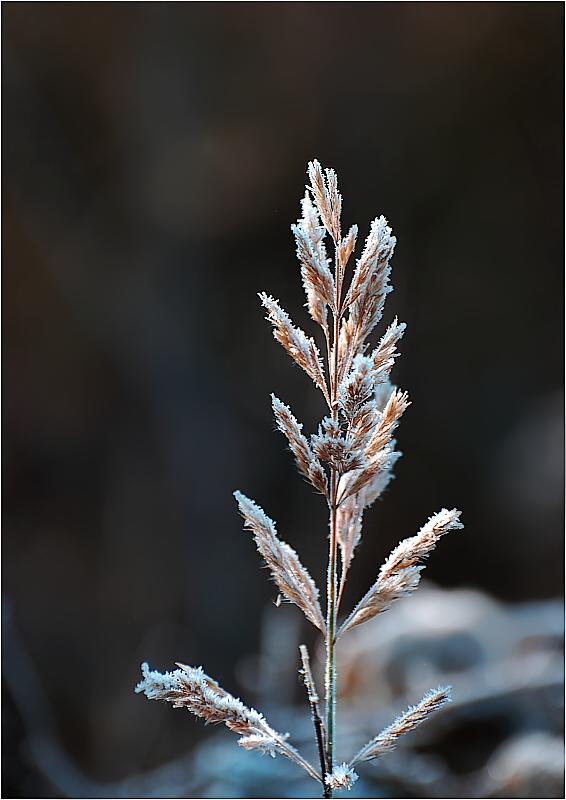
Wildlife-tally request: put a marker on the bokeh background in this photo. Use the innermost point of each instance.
(154, 157)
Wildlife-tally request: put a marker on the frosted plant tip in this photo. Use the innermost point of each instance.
(342, 777)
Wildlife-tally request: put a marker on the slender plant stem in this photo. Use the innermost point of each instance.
(330, 674)
(330, 682)
(317, 722)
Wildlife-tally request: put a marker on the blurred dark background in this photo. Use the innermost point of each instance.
(154, 157)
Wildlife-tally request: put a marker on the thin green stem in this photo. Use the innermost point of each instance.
(330, 672)
(330, 682)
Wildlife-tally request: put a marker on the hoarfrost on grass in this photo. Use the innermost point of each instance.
(349, 462)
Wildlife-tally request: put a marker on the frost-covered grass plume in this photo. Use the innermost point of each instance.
(349, 462)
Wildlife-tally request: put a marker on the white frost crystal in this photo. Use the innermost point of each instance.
(342, 777)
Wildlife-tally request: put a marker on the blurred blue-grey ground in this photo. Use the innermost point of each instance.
(154, 157)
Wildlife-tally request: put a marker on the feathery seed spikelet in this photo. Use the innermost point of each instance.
(384, 355)
(374, 487)
(311, 224)
(306, 461)
(385, 742)
(400, 574)
(288, 573)
(327, 198)
(299, 346)
(369, 286)
(346, 246)
(389, 419)
(363, 425)
(411, 550)
(318, 281)
(189, 687)
(349, 529)
(353, 482)
(357, 389)
(337, 450)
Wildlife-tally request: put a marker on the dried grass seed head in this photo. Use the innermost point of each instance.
(288, 573)
(397, 403)
(324, 188)
(400, 574)
(358, 387)
(346, 247)
(357, 442)
(411, 550)
(353, 482)
(386, 741)
(384, 355)
(318, 280)
(189, 687)
(349, 529)
(305, 459)
(300, 347)
(372, 268)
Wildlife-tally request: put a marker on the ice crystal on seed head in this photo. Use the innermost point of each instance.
(258, 742)
(342, 777)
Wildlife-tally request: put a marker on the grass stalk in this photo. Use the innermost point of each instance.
(356, 444)
(330, 668)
